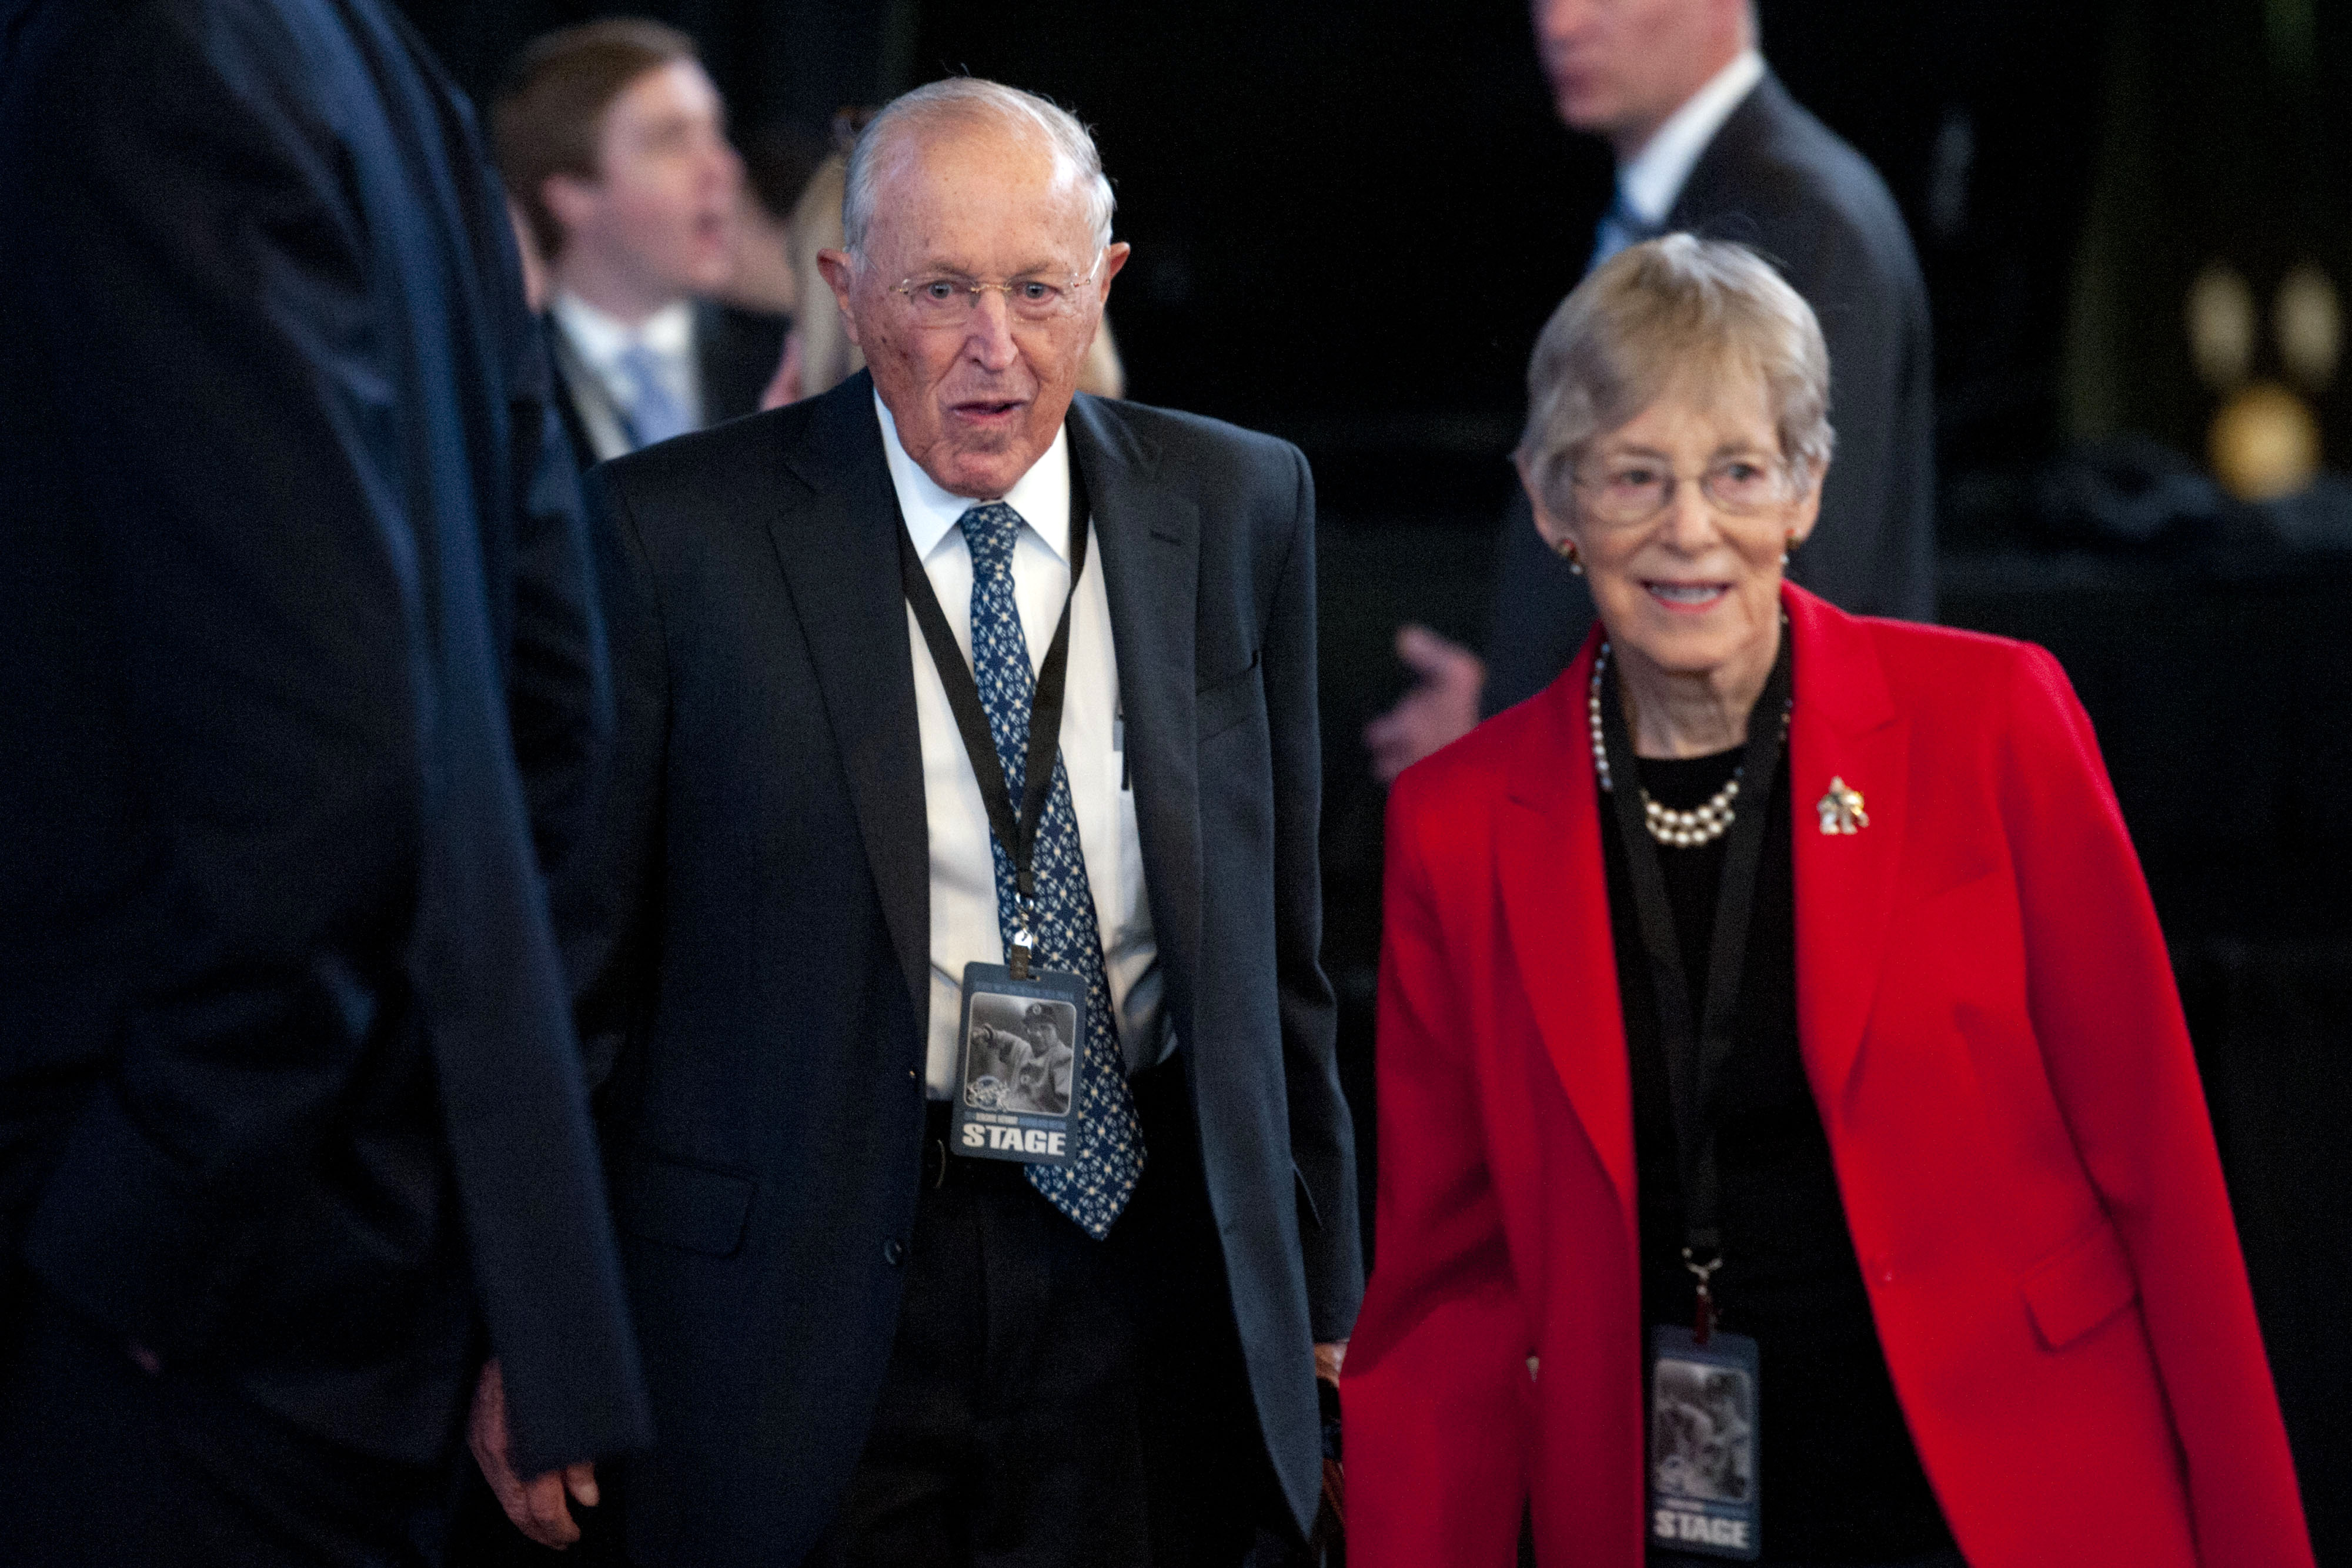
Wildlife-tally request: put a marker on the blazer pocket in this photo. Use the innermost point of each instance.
(679, 1204)
(1308, 1214)
(1226, 702)
(2080, 1286)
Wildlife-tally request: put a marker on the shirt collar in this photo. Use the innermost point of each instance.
(1649, 181)
(1042, 495)
(602, 338)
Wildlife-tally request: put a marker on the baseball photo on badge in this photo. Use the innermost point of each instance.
(1016, 1087)
(1703, 1441)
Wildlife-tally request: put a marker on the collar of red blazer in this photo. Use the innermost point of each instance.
(1845, 725)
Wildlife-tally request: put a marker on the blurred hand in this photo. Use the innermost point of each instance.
(537, 1506)
(1328, 1358)
(785, 385)
(1441, 709)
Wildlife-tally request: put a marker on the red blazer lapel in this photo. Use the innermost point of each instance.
(1849, 766)
(1555, 896)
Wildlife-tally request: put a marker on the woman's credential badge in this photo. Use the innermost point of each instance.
(1841, 809)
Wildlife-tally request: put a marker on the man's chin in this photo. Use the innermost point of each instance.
(989, 466)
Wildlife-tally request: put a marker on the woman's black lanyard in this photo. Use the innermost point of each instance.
(1695, 1056)
(1018, 834)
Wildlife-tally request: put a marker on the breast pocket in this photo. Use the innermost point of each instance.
(1228, 701)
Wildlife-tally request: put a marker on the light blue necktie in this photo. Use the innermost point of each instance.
(654, 414)
(1620, 227)
(1101, 1175)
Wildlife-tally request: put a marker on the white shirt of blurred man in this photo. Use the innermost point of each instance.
(1656, 80)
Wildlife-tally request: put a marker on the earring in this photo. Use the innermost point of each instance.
(1788, 548)
(1574, 564)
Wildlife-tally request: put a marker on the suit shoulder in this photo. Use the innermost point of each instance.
(1196, 440)
(703, 467)
(1807, 189)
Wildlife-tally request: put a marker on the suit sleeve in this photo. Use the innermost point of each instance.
(1435, 1396)
(559, 691)
(2117, 1052)
(228, 397)
(1322, 1141)
(604, 897)
(1873, 552)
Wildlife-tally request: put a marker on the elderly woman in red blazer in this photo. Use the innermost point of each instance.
(1791, 1148)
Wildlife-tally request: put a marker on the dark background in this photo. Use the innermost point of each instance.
(1350, 218)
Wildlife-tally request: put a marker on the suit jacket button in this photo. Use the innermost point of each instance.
(894, 1252)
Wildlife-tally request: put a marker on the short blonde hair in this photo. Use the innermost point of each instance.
(1652, 314)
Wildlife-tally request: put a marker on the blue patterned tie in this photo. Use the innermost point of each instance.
(1101, 1175)
(654, 414)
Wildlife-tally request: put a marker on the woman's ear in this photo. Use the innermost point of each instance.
(1557, 534)
(1808, 509)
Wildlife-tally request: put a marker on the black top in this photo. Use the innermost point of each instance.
(1841, 1481)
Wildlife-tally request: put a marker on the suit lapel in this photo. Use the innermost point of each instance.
(1149, 542)
(1555, 893)
(1846, 730)
(840, 559)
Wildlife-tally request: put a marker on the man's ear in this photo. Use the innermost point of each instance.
(1114, 257)
(840, 270)
(571, 199)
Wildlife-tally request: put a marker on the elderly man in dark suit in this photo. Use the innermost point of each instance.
(304, 685)
(1708, 140)
(941, 677)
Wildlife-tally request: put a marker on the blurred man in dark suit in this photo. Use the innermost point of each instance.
(835, 629)
(615, 140)
(304, 688)
(1708, 140)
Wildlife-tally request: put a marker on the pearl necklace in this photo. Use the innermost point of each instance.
(1703, 823)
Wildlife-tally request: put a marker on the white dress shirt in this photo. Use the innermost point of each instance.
(1649, 183)
(964, 928)
(599, 340)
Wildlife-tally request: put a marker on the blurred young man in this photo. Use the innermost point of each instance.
(614, 139)
(1708, 140)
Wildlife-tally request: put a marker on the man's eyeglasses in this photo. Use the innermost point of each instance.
(1626, 492)
(949, 299)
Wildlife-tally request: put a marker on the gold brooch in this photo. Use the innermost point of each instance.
(1841, 809)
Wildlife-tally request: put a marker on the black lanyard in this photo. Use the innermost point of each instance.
(1017, 833)
(1695, 1055)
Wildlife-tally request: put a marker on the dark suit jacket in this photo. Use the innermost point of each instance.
(763, 968)
(1777, 180)
(298, 654)
(735, 352)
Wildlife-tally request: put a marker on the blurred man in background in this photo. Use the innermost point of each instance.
(1708, 139)
(305, 692)
(614, 139)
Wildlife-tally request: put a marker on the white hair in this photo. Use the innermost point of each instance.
(965, 99)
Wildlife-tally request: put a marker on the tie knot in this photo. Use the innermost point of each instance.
(1636, 227)
(988, 530)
